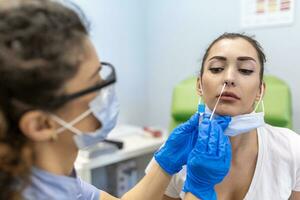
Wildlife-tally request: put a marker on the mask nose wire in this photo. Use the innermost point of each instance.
(213, 112)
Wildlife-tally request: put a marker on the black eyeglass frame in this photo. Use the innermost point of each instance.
(112, 78)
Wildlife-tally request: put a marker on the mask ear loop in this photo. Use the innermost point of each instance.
(65, 126)
(70, 125)
(260, 100)
(213, 112)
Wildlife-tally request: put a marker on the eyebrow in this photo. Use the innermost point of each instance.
(245, 58)
(218, 58)
(241, 58)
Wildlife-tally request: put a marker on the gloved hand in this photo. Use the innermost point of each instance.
(173, 155)
(209, 161)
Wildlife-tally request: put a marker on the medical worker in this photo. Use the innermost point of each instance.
(56, 98)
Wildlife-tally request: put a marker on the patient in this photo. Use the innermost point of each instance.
(265, 160)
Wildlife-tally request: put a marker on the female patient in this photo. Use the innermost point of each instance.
(265, 159)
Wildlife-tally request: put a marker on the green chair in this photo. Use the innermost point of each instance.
(277, 102)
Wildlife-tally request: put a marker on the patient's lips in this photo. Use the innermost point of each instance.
(229, 96)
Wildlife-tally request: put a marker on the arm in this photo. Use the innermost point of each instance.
(190, 196)
(169, 160)
(295, 196)
(152, 186)
(165, 197)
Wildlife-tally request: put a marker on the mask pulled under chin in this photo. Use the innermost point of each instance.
(242, 123)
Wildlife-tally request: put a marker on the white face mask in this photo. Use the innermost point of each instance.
(105, 108)
(243, 123)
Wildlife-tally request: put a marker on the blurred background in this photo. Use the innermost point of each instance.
(156, 44)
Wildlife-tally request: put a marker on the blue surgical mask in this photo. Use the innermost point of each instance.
(105, 108)
(243, 123)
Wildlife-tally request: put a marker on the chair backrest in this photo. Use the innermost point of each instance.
(277, 102)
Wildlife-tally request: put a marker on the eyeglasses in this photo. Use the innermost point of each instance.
(108, 76)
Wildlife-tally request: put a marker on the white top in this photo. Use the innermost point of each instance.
(277, 171)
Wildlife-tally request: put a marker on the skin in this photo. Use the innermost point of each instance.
(236, 62)
(57, 153)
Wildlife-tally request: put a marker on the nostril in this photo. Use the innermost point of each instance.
(229, 83)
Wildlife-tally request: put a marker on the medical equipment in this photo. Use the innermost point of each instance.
(201, 110)
(213, 112)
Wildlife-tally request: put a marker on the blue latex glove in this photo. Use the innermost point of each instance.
(174, 154)
(209, 161)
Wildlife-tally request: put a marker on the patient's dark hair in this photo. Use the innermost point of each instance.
(232, 36)
(40, 46)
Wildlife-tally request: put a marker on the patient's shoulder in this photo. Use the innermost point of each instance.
(282, 139)
(281, 133)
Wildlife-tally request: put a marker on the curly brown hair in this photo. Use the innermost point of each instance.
(40, 44)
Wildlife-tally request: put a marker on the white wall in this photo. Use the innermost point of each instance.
(118, 30)
(155, 44)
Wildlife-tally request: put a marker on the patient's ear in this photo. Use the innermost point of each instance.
(199, 87)
(37, 126)
(261, 91)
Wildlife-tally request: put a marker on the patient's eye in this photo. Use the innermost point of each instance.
(216, 70)
(246, 71)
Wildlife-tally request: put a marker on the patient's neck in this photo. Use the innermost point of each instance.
(246, 143)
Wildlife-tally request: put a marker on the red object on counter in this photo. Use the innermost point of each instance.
(153, 132)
